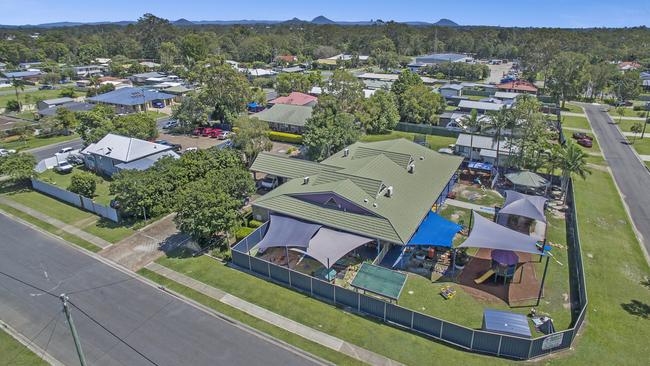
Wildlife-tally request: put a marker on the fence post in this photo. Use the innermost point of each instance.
(385, 305)
(471, 343)
(358, 302)
(248, 254)
(268, 268)
(311, 286)
(412, 316)
(530, 349)
(289, 276)
(441, 324)
(334, 294)
(499, 349)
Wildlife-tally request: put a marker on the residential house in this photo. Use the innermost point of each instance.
(287, 58)
(506, 97)
(29, 65)
(292, 69)
(142, 78)
(29, 76)
(382, 191)
(71, 106)
(3, 66)
(130, 100)
(150, 65)
(451, 90)
(296, 98)
(439, 58)
(286, 117)
(480, 107)
(115, 152)
(628, 66)
(484, 148)
(88, 70)
(518, 86)
(49, 103)
(178, 91)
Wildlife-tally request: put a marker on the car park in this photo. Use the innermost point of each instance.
(63, 167)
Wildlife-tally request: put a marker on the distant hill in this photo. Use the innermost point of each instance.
(446, 23)
(182, 22)
(322, 20)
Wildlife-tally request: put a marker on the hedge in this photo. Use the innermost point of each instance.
(285, 137)
(255, 224)
(243, 232)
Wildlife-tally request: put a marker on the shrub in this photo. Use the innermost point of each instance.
(13, 106)
(255, 224)
(243, 232)
(67, 92)
(83, 183)
(285, 137)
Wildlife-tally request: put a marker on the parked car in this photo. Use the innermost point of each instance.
(224, 135)
(207, 131)
(215, 132)
(63, 167)
(585, 142)
(192, 148)
(158, 104)
(177, 147)
(75, 159)
(65, 150)
(5, 152)
(581, 136)
(198, 131)
(46, 87)
(226, 144)
(269, 182)
(172, 123)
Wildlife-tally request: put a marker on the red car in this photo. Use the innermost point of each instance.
(581, 136)
(197, 131)
(585, 142)
(207, 131)
(215, 132)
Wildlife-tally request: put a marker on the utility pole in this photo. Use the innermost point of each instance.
(647, 120)
(73, 330)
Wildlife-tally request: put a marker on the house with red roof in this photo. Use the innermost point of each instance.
(628, 65)
(287, 58)
(296, 98)
(518, 86)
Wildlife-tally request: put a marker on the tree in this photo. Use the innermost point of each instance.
(152, 32)
(191, 113)
(500, 120)
(95, 124)
(67, 92)
(419, 104)
(329, 129)
(292, 82)
(473, 123)
(65, 120)
(17, 85)
(626, 86)
(18, 167)
(379, 113)
(572, 161)
(194, 47)
(636, 128)
(251, 137)
(386, 60)
(346, 88)
(620, 110)
(83, 183)
(138, 125)
(223, 89)
(600, 77)
(168, 53)
(13, 106)
(567, 75)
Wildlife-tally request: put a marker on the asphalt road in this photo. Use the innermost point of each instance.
(164, 329)
(48, 151)
(630, 174)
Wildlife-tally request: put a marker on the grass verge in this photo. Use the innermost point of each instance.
(34, 142)
(576, 122)
(16, 354)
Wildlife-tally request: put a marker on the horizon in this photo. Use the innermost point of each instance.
(577, 14)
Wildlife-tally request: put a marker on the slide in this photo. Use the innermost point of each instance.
(485, 276)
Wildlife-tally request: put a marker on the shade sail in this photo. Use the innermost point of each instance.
(435, 230)
(328, 246)
(490, 235)
(480, 166)
(524, 205)
(287, 232)
(506, 322)
(526, 178)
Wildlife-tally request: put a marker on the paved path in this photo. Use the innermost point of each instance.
(163, 328)
(280, 321)
(631, 176)
(645, 157)
(469, 206)
(57, 223)
(146, 245)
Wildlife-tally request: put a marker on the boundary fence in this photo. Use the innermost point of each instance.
(76, 200)
(474, 340)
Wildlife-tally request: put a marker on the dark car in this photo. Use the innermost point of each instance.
(585, 142)
(158, 104)
(581, 136)
(46, 87)
(177, 147)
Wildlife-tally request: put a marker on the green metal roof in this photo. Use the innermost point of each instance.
(362, 177)
(295, 115)
(286, 167)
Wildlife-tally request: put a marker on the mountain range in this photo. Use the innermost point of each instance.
(319, 20)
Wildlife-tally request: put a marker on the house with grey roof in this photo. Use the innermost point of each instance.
(382, 191)
(480, 107)
(130, 100)
(71, 106)
(29, 75)
(49, 103)
(484, 148)
(286, 117)
(115, 152)
(451, 90)
(438, 58)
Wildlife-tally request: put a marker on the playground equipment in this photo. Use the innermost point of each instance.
(484, 277)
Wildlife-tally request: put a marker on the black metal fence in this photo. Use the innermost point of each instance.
(475, 340)
(425, 129)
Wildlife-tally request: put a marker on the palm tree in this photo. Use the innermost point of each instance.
(500, 120)
(18, 84)
(572, 161)
(636, 128)
(93, 81)
(471, 121)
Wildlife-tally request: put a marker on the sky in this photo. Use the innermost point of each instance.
(521, 13)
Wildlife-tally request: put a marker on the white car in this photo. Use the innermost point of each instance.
(65, 150)
(5, 152)
(63, 167)
(170, 124)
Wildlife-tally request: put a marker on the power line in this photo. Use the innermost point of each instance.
(111, 333)
(31, 341)
(50, 338)
(100, 286)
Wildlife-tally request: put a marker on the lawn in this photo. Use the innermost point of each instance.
(16, 354)
(568, 107)
(156, 114)
(34, 142)
(434, 141)
(626, 125)
(575, 122)
(478, 196)
(102, 194)
(72, 215)
(594, 148)
(642, 146)
(629, 112)
(30, 97)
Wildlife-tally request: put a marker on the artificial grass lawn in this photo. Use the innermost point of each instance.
(576, 122)
(279, 333)
(34, 142)
(52, 229)
(434, 141)
(102, 194)
(69, 214)
(642, 146)
(16, 354)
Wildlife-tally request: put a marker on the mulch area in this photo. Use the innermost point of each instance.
(517, 290)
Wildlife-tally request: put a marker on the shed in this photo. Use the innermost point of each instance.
(505, 322)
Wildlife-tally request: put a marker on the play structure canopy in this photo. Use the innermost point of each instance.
(527, 179)
(490, 235)
(506, 322)
(435, 230)
(524, 205)
(323, 244)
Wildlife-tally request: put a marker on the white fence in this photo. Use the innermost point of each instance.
(76, 200)
(51, 162)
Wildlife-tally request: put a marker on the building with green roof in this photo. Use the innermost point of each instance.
(381, 190)
(286, 117)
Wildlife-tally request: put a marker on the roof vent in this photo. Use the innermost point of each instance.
(346, 152)
(365, 200)
(374, 205)
(389, 191)
(421, 157)
(411, 168)
(305, 180)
